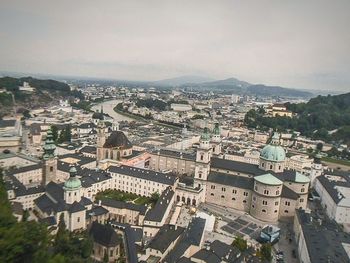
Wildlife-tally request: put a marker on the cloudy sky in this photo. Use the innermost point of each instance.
(296, 43)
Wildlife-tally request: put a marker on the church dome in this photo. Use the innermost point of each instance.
(97, 116)
(205, 135)
(73, 182)
(216, 129)
(273, 151)
(117, 139)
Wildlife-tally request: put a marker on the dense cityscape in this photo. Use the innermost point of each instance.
(189, 169)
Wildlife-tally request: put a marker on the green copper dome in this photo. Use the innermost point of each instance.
(205, 135)
(216, 129)
(73, 182)
(273, 151)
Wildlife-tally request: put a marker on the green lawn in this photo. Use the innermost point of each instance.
(127, 197)
(331, 160)
(116, 195)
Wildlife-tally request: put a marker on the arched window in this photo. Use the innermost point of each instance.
(264, 211)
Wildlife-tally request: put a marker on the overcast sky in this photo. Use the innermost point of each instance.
(297, 43)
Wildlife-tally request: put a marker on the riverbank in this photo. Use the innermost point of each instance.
(142, 119)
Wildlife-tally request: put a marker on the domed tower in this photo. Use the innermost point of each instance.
(50, 159)
(203, 157)
(272, 156)
(216, 140)
(72, 187)
(266, 197)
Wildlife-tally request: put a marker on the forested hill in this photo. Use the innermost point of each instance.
(324, 117)
(46, 92)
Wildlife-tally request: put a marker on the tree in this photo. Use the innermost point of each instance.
(319, 146)
(240, 243)
(54, 131)
(154, 197)
(26, 114)
(65, 135)
(105, 257)
(265, 252)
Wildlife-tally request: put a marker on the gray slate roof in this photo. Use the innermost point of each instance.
(231, 180)
(144, 174)
(166, 235)
(123, 205)
(158, 211)
(192, 236)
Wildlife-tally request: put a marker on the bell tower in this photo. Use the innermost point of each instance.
(72, 187)
(216, 140)
(316, 169)
(203, 158)
(50, 159)
(101, 139)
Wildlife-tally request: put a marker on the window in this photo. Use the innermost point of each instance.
(234, 199)
(276, 203)
(270, 166)
(111, 253)
(275, 211)
(234, 191)
(286, 211)
(277, 192)
(264, 211)
(212, 187)
(51, 168)
(263, 164)
(264, 202)
(212, 194)
(222, 196)
(287, 203)
(78, 219)
(302, 190)
(253, 206)
(266, 192)
(223, 189)
(202, 157)
(245, 193)
(244, 201)
(301, 200)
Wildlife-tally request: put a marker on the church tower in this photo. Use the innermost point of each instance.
(316, 169)
(50, 159)
(101, 139)
(216, 140)
(203, 159)
(72, 187)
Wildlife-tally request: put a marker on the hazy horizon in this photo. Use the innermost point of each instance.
(304, 45)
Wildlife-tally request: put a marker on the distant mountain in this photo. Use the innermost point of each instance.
(178, 81)
(263, 90)
(46, 91)
(243, 87)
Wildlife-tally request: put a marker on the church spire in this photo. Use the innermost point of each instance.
(49, 147)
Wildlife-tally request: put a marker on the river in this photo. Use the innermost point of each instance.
(108, 108)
